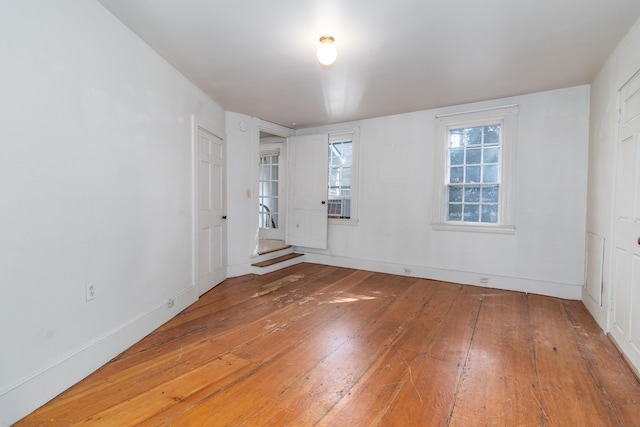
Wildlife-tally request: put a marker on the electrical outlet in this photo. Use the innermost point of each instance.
(91, 291)
(170, 303)
(484, 280)
(407, 270)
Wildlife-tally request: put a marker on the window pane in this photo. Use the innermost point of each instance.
(274, 173)
(456, 137)
(274, 189)
(454, 212)
(472, 194)
(473, 156)
(492, 134)
(346, 209)
(471, 213)
(490, 213)
(474, 136)
(491, 155)
(490, 193)
(456, 156)
(490, 174)
(456, 174)
(346, 177)
(472, 174)
(455, 194)
(333, 179)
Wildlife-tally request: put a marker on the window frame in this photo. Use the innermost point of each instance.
(354, 136)
(506, 116)
(272, 150)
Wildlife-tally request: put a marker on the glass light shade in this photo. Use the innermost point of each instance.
(327, 51)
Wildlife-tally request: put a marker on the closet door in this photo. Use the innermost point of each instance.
(625, 309)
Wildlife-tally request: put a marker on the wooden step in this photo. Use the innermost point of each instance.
(277, 260)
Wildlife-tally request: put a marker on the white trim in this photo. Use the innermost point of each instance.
(477, 228)
(519, 284)
(479, 110)
(36, 389)
(274, 129)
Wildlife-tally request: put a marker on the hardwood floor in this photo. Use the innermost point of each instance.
(329, 346)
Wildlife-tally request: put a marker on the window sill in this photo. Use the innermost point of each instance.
(338, 221)
(476, 228)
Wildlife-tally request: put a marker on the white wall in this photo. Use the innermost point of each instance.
(242, 223)
(95, 186)
(623, 63)
(546, 253)
(243, 148)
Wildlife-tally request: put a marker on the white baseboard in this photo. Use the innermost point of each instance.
(597, 311)
(533, 286)
(239, 269)
(22, 398)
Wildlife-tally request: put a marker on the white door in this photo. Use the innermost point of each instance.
(212, 230)
(625, 324)
(308, 171)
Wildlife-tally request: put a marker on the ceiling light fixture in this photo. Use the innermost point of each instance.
(327, 52)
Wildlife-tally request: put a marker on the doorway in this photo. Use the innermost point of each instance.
(271, 194)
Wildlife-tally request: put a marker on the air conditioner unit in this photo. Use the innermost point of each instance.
(335, 208)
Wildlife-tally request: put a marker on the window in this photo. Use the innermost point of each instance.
(268, 183)
(342, 175)
(475, 170)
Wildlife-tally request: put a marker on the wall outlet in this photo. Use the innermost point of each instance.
(91, 291)
(407, 270)
(170, 303)
(484, 280)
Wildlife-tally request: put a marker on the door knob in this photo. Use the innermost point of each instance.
(324, 203)
(224, 217)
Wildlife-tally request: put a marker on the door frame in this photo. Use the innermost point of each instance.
(260, 125)
(201, 123)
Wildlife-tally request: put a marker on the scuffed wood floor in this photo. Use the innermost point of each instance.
(319, 345)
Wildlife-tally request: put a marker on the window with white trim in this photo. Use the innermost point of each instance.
(343, 168)
(475, 168)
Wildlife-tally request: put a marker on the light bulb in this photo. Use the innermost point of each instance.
(327, 51)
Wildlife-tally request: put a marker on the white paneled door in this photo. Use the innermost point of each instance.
(211, 222)
(625, 307)
(308, 186)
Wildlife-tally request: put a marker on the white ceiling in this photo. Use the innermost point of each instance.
(257, 57)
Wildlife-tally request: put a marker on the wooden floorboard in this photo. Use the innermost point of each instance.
(277, 260)
(319, 345)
